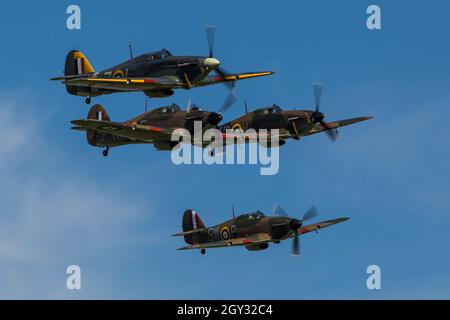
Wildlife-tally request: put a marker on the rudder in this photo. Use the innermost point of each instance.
(77, 64)
(191, 221)
(97, 112)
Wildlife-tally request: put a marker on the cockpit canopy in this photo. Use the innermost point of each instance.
(194, 107)
(254, 216)
(167, 109)
(268, 110)
(157, 55)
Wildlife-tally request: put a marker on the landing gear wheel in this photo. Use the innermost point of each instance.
(88, 100)
(202, 251)
(105, 152)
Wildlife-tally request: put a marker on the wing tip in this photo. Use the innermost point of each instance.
(262, 73)
(339, 220)
(365, 118)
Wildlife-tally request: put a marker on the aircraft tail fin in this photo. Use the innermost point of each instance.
(191, 222)
(77, 64)
(96, 112)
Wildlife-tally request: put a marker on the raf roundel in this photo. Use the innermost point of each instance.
(225, 233)
(109, 128)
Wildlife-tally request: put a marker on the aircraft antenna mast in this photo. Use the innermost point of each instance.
(232, 209)
(245, 105)
(130, 46)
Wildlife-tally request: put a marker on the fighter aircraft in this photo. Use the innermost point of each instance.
(151, 127)
(156, 74)
(290, 123)
(254, 230)
(156, 126)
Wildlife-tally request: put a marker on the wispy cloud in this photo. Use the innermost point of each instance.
(52, 215)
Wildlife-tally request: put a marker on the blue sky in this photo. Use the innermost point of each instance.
(63, 203)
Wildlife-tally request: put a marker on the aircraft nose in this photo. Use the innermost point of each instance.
(211, 63)
(295, 224)
(317, 116)
(214, 118)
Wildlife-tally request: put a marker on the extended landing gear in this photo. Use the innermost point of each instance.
(105, 152)
(202, 251)
(88, 100)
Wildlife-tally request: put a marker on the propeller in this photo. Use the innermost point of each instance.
(278, 211)
(215, 117)
(295, 224)
(189, 106)
(318, 116)
(231, 99)
(317, 94)
(295, 251)
(210, 35)
(211, 62)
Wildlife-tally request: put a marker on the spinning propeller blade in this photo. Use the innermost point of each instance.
(311, 213)
(210, 35)
(231, 99)
(278, 211)
(317, 116)
(295, 224)
(317, 94)
(189, 106)
(296, 245)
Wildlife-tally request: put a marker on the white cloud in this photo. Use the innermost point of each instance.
(51, 214)
(17, 128)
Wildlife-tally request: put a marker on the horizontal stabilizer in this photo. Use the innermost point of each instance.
(188, 232)
(71, 77)
(79, 128)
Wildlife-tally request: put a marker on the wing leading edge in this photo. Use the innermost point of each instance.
(320, 225)
(133, 132)
(142, 84)
(247, 241)
(213, 79)
(337, 124)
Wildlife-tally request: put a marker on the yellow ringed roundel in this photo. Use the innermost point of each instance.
(237, 125)
(225, 233)
(118, 74)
